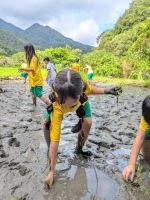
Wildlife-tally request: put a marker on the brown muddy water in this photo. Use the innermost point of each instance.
(23, 151)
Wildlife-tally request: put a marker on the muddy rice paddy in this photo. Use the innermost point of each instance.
(23, 151)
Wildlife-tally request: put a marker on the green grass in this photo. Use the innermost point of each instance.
(6, 72)
(119, 81)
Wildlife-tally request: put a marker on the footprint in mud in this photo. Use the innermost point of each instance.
(13, 142)
(3, 154)
(2, 90)
(23, 170)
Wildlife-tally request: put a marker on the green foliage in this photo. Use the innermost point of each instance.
(59, 56)
(139, 10)
(127, 45)
(123, 51)
(10, 43)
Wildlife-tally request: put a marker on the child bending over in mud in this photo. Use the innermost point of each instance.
(69, 94)
(35, 75)
(142, 141)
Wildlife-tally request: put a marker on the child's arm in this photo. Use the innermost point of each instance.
(53, 156)
(97, 90)
(130, 168)
(114, 91)
(26, 69)
(55, 130)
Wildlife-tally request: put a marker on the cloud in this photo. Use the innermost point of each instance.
(80, 20)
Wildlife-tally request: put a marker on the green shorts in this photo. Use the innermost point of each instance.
(86, 108)
(147, 136)
(90, 76)
(37, 91)
(23, 74)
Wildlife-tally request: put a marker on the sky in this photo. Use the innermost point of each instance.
(80, 20)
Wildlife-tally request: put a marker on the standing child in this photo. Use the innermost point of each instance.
(70, 94)
(142, 141)
(89, 72)
(50, 71)
(76, 66)
(35, 75)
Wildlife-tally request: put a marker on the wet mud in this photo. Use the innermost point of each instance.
(23, 150)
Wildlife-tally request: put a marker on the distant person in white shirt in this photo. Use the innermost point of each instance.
(50, 71)
(89, 72)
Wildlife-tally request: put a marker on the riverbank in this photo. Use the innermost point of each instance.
(10, 73)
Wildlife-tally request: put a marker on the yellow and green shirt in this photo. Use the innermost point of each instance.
(76, 67)
(143, 124)
(57, 115)
(35, 77)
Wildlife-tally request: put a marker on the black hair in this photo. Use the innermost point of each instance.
(77, 60)
(46, 59)
(30, 52)
(146, 109)
(68, 83)
(52, 98)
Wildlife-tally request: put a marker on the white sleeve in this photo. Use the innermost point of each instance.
(49, 66)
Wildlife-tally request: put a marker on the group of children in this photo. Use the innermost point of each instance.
(70, 93)
(75, 66)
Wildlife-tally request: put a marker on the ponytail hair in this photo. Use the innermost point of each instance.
(68, 83)
(52, 99)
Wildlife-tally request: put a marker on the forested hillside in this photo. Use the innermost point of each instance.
(124, 51)
(12, 38)
(44, 36)
(13, 44)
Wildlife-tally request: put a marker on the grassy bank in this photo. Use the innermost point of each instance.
(120, 81)
(6, 72)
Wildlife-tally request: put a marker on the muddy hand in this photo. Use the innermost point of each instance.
(49, 181)
(114, 91)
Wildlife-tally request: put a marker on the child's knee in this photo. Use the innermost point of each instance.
(87, 122)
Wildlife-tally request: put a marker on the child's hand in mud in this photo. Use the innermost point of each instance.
(114, 91)
(128, 173)
(49, 180)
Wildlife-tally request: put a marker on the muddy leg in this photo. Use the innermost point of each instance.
(33, 98)
(82, 136)
(46, 136)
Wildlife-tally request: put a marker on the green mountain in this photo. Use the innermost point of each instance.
(44, 37)
(9, 27)
(13, 38)
(10, 43)
(124, 51)
(134, 23)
